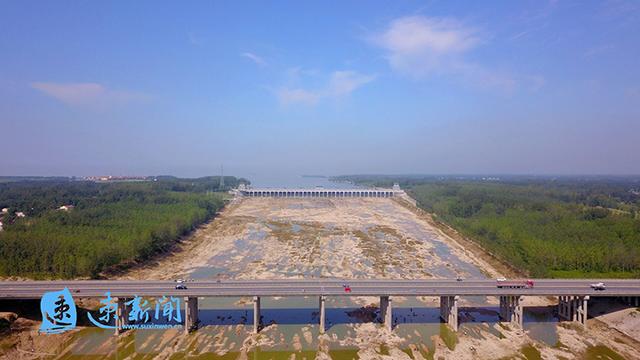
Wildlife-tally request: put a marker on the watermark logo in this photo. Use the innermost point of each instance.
(140, 311)
(108, 310)
(58, 312)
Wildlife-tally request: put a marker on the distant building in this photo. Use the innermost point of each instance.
(396, 187)
(66, 207)
(118, 178)
(20, 214)
(5, 210)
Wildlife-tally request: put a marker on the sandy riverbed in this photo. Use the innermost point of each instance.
(345, 238)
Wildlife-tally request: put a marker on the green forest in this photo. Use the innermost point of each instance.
(547, 227)
(111, 223)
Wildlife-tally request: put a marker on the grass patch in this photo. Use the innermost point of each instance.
(601, 352)
(449, 337)
(530, 352)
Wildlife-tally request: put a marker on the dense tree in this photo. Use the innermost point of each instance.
(111, 224)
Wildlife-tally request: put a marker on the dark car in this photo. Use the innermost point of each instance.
(181, 284)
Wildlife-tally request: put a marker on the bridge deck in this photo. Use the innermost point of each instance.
(315, 287)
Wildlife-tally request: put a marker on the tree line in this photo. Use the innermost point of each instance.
(111, 223)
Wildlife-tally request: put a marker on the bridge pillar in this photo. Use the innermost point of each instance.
(386, 313)
(631, 300)
(449, 310)
(511, 310)
(563, 307)
(322, 314)
(573, 308)
(560, 307)
(122, 315)
(256, 314)
(190, 314)
(518, 311)
(581, 311)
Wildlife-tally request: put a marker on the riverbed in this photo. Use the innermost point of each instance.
(357, 238)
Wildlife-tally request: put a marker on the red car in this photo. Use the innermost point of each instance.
(347, 288)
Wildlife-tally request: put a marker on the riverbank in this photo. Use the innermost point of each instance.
(488, 262)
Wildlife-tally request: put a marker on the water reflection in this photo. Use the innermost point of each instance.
(291, 328)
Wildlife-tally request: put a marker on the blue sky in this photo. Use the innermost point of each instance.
(314, 87)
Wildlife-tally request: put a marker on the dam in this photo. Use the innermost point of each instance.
(320, 192)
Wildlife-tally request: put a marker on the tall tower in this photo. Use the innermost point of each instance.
(221, 177)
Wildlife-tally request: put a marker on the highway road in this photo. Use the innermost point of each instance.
(314, 287)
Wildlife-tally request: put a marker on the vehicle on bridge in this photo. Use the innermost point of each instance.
(180, 284)
(503, 283)
(598, 286)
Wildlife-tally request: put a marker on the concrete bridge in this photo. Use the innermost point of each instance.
(573, 295)
(319, 193)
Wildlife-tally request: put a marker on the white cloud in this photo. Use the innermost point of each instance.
(345, 82)
(87, 94)
(255, 58)
(419, 46)
(597, 50)
(288, 96)
(339, 84)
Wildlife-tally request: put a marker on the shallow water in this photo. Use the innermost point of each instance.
(541, 325)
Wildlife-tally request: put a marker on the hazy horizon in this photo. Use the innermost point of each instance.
(273, 176)
(120, 88)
